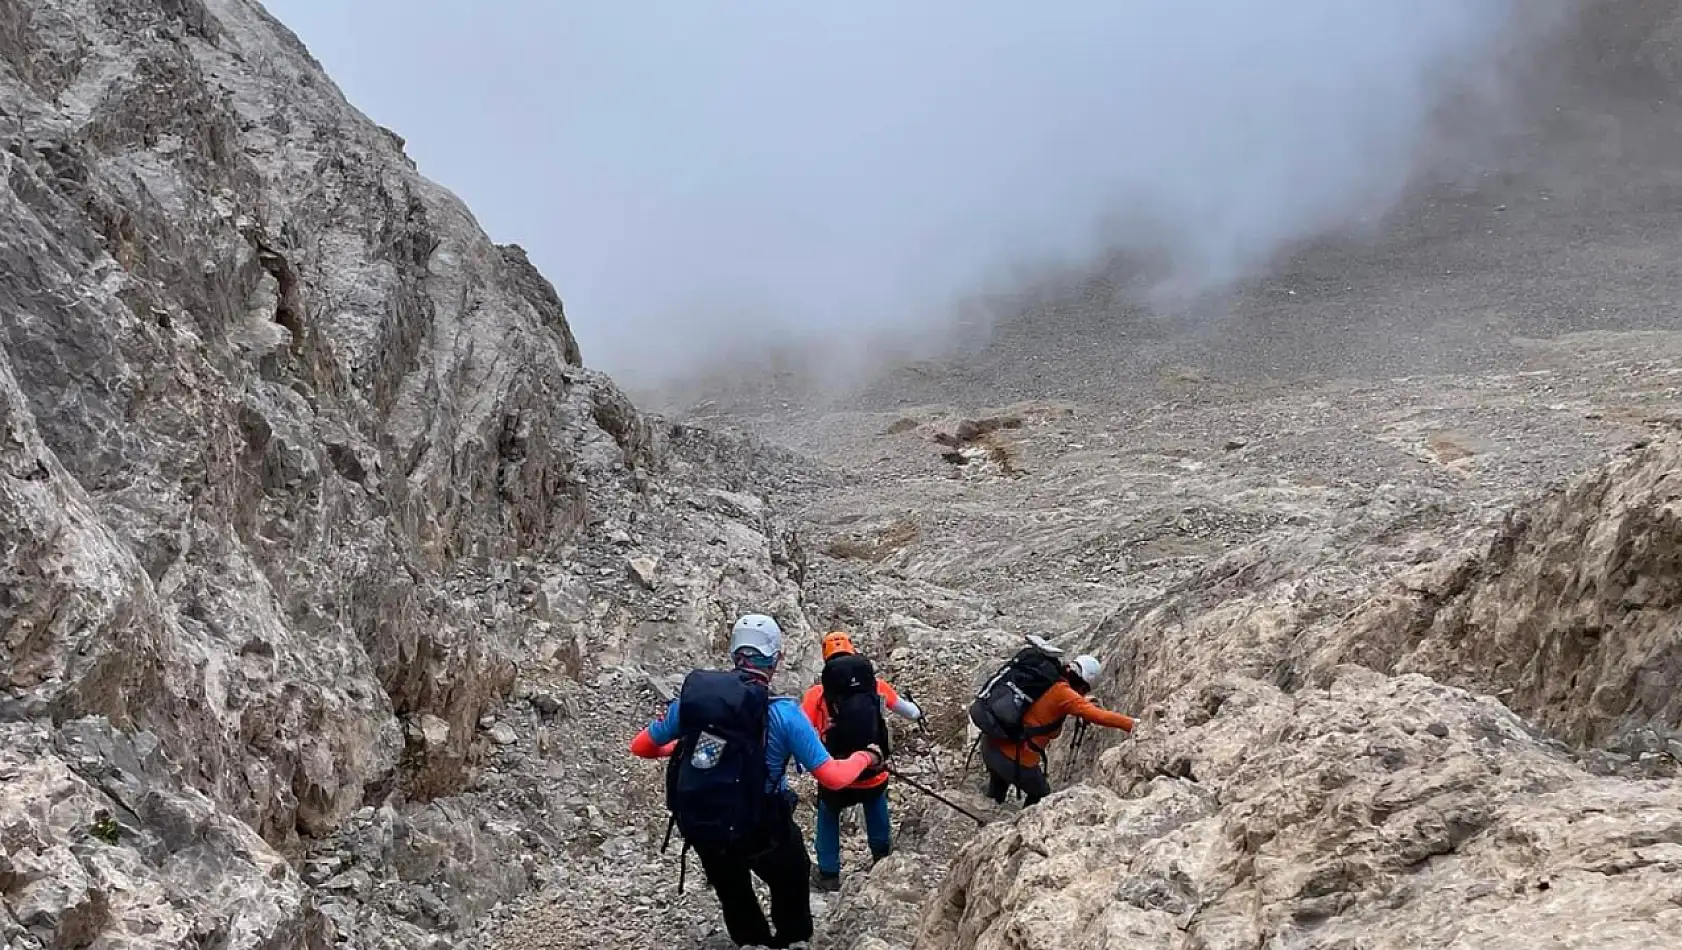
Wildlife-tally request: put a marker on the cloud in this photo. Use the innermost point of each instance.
(693, 176)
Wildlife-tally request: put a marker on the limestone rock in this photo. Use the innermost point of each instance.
(127, 856)
(295, 465)
(1570, 610)
(642, 571)
(1278, 793)
(547, 704)
(1329, 818)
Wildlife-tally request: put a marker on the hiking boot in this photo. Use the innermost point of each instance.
(876, 856)
(825, 881)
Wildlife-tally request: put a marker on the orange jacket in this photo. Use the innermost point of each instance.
(817, 711)
(1059, 701)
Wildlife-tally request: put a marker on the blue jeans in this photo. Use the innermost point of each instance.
(826, 841)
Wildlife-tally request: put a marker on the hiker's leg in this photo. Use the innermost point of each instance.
(999, 771)
(1034, 785)
(878, 825)
(728, 875)
(784, 869)
(826, 838)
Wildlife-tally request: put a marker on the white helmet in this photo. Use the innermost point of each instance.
(1087, 667)
(758, 633)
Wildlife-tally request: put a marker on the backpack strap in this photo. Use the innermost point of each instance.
(1029, 732)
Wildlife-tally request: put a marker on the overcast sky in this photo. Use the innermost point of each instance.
(686, 172)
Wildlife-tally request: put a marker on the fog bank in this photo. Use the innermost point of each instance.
(693, 176)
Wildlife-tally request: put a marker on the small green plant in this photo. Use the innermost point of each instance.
(105, 828)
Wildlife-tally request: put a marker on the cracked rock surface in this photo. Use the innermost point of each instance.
(301, 480)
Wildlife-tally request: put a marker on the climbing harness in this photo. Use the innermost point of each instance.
(934, 757)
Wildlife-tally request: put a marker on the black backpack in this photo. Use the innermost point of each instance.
(855, 709)
(1002, 702)
(716, 778)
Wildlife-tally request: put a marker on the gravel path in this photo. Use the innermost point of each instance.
(1507, 330)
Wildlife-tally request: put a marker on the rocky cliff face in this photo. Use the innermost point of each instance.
(299, 472)
(334, 585)
(1298, 782)
(1569, 613)
(1375, 812)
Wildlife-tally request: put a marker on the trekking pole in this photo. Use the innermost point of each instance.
(934, 750)
(937, 796)
(934, 756)
(1074, 744)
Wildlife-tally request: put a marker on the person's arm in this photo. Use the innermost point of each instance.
(1082, 708)
(898, 704)
(906, 708)
(837, 774)
(806, 748)
(659, 738)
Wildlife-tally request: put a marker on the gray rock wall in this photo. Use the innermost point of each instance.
(1296, 780)
(298, 470)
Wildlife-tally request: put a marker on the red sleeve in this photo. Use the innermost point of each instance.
(1082, 708)
(886, 691)
(837, 774)
(643, 747)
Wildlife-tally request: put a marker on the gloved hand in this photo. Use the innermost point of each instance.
(878, 758)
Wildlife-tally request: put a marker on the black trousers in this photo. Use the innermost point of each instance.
(785, 868)
(1003, 772)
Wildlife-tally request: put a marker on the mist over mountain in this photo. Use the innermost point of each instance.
(710, 179)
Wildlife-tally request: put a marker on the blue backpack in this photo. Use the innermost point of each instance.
(716, 778)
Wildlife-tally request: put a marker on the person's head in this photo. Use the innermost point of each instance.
(835, 643)
(756, 645)
(1083, 671)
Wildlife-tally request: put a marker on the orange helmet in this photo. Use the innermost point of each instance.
(836, 642)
